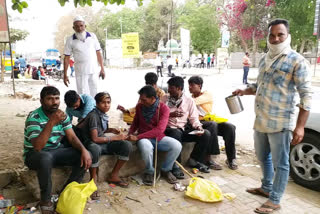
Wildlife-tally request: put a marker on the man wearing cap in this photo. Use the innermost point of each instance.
(85, 48)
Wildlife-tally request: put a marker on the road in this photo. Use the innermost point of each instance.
(123, 85)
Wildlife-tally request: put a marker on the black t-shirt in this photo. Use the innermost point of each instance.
(92, 121)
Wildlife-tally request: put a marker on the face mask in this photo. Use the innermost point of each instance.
(279, 48)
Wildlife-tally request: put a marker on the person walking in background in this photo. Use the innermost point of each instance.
(246, 65)
(202, 62)
(158, 64)
(71, 62)
(212, 60)
(170, 64)
(208, 61)
(177, 62)
(282, 73)
(86, 50)
(23, 64)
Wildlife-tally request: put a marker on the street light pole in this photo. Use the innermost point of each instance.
(168, 38)
(106, 45)
(121, 25)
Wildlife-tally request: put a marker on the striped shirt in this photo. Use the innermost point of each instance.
(276, 92)
(35, 123)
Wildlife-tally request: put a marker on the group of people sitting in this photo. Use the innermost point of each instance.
(158, 118)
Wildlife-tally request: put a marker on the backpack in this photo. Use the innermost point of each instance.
(35, 75)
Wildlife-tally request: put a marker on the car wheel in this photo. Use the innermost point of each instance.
(305, 161)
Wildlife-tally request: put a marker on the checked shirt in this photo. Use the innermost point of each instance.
(277, 90)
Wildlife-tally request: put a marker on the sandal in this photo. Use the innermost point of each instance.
(170, 178)
(266, 209)
(232, 165)
(258, 191)
(202, 167)
(95, 195)
(47, 209)
(119, 183)
(213, 165)
(178, 173)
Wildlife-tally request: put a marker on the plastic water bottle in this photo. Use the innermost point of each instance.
(6, 203)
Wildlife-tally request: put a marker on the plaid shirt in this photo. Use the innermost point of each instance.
(276, 92)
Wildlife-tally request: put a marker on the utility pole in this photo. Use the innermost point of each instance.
(121, 25)
(171, 27)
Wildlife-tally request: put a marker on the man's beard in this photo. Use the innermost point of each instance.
(81, 36)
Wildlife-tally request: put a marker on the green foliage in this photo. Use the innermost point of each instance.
(157, 19)
(300, 15)
(19, 5)
(200, 18)
(17, 35)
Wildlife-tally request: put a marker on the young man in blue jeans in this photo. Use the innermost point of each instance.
(282, 73)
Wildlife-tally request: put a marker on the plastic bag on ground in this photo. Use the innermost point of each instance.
(204, 190)
(74, 197)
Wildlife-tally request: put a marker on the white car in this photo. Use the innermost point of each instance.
(305, 157)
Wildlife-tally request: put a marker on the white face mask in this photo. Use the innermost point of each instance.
(276, 49)
(81, 36)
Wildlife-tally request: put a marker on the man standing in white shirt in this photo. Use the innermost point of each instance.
(85, 48)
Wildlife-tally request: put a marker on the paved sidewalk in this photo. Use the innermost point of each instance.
(163, 199)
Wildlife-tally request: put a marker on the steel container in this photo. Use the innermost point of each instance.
(234, 104)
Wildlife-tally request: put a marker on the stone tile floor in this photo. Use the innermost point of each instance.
(163, 199)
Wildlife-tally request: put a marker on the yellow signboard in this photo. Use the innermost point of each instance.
(130, 45)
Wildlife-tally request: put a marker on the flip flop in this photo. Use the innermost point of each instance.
(267, 209)
(213, 165)
(202, 167)
(120, 183)
(258, 191)
(178, 173)
(170, 178)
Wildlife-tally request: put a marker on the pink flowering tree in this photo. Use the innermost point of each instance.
(247, 21)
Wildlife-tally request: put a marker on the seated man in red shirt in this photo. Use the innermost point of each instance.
(150, 122)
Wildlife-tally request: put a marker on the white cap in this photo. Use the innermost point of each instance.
(78, 18)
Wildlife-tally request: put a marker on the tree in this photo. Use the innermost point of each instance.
(18, 35)
(156, 24)
(247, 20)
(200, 18)
(20, 5)
(300, 15)
(15, 35)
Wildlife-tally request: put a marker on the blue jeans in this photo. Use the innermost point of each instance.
(245, 74)
(166, 144)
(272, 150)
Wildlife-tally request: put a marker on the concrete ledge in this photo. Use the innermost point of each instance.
(6, 177)
(134, 166)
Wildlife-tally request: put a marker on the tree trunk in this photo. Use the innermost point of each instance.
(3, 62)
(254, 48)
(302, 46)
(244, 44)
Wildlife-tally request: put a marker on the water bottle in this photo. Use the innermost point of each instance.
(6, 203)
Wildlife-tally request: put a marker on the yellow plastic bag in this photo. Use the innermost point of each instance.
(215, 118)
(204, 190)
(74, 197)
